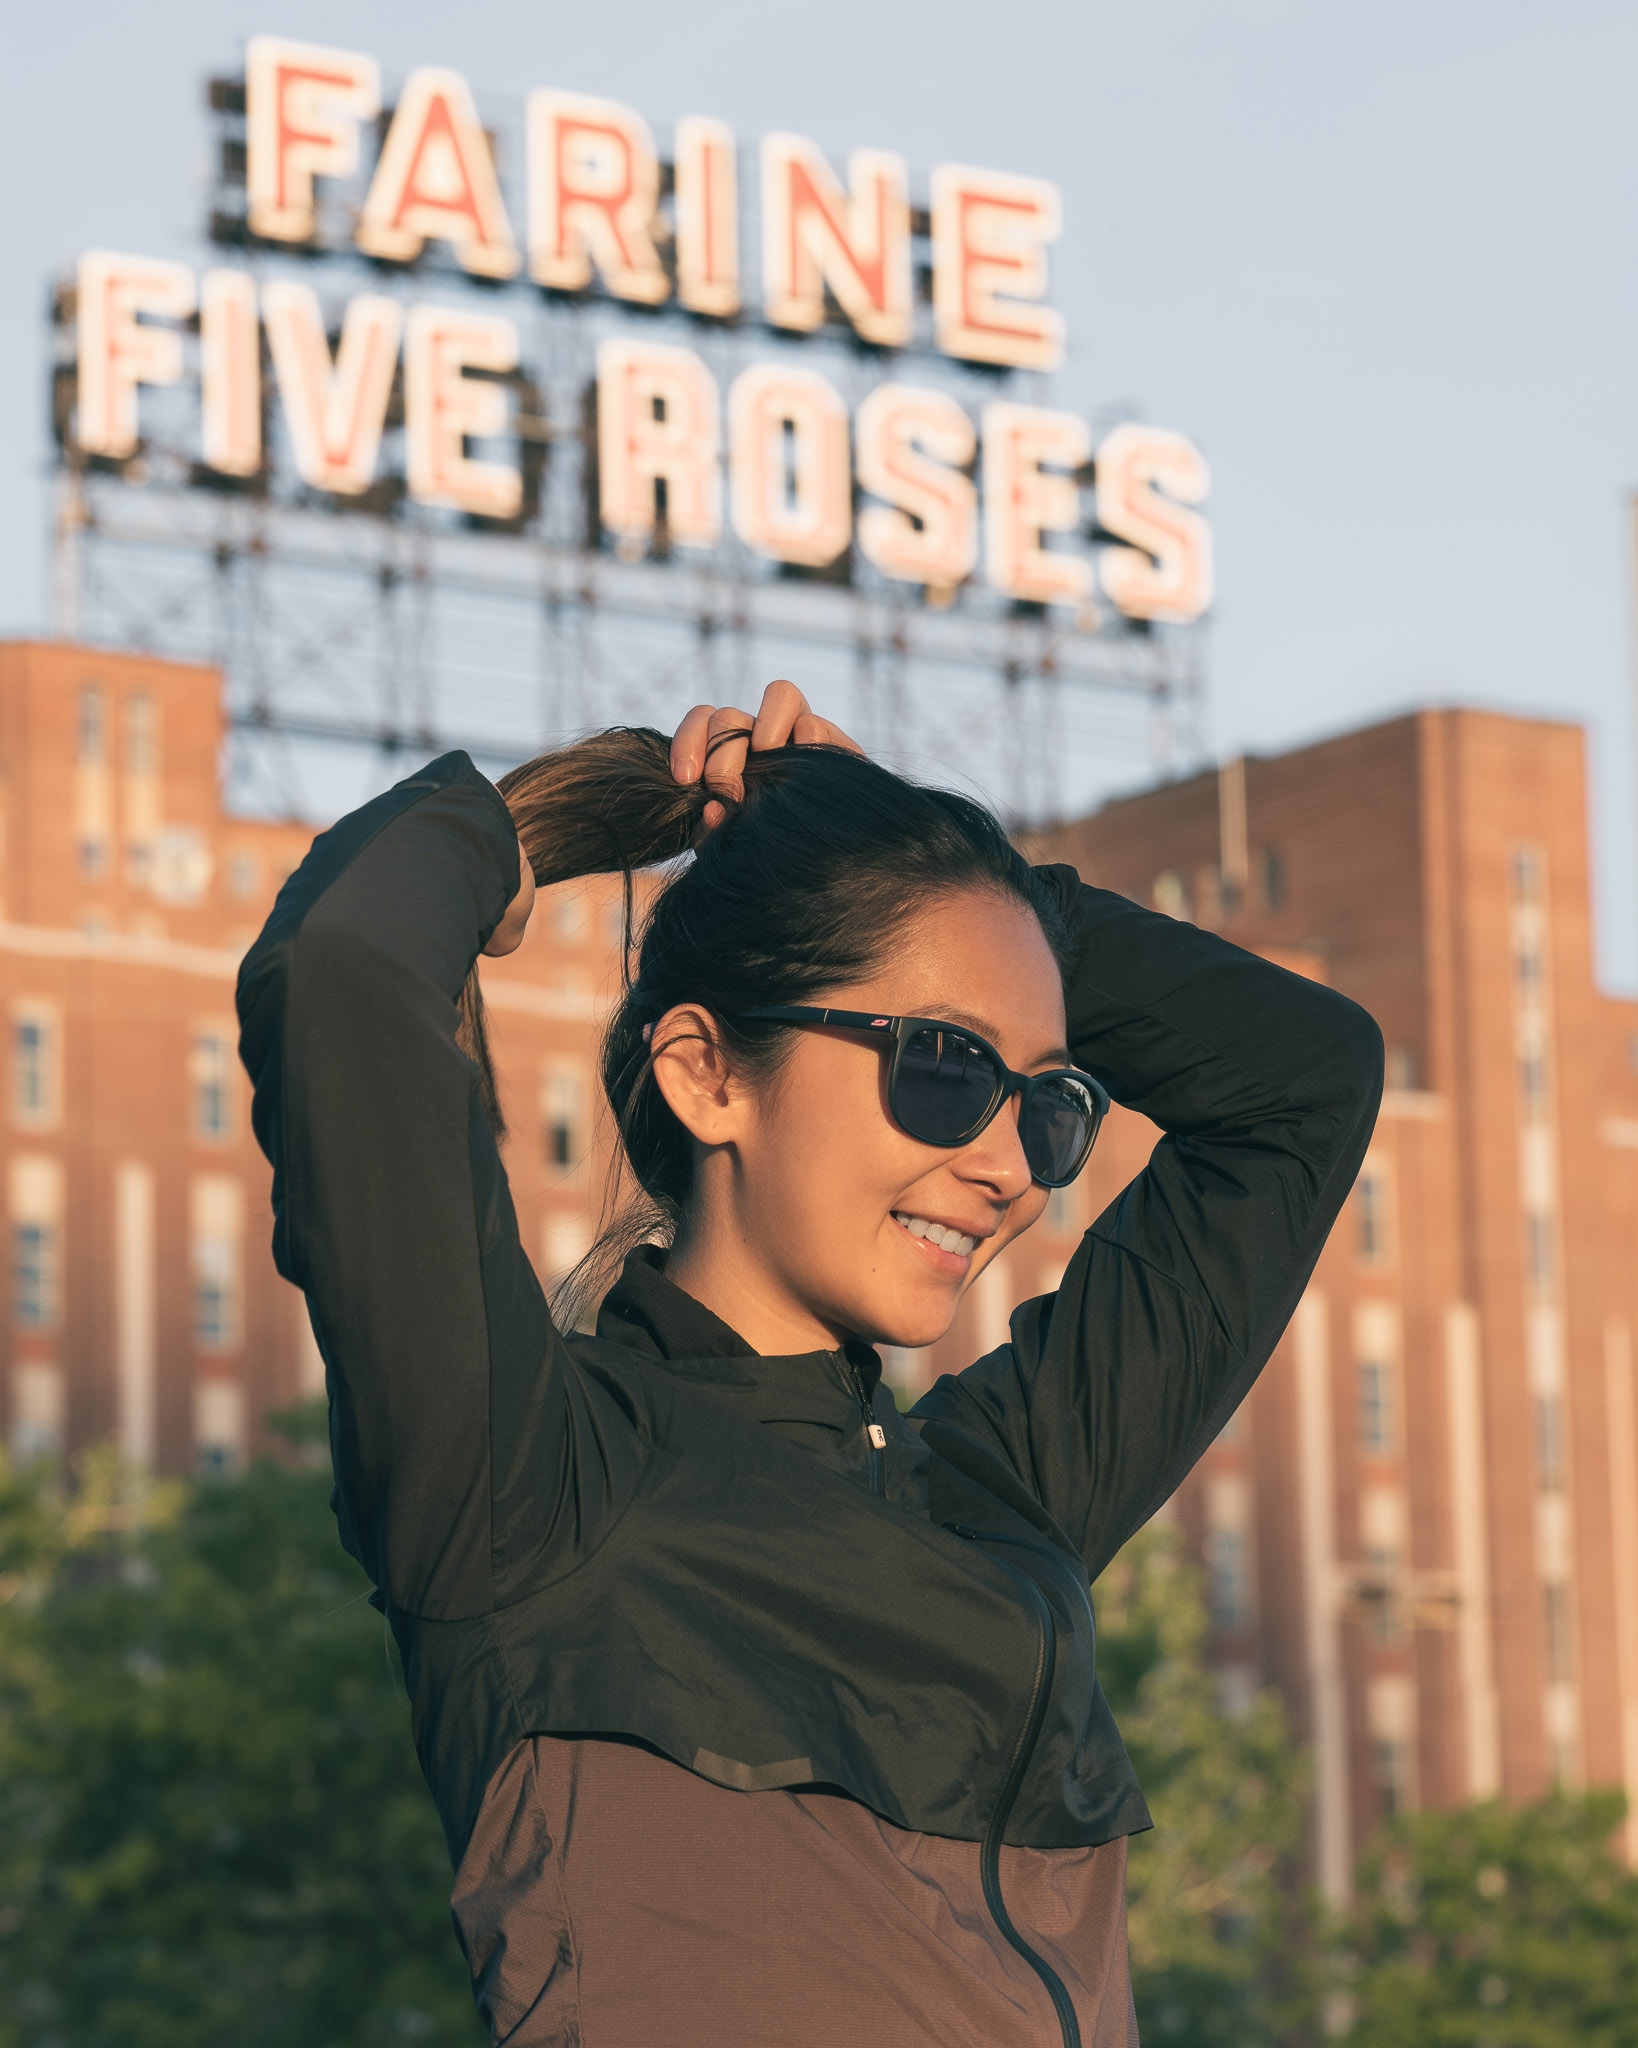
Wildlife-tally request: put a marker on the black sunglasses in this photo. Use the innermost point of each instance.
(945, 1084)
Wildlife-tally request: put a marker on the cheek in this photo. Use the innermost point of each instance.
(825, 1148)
(1027, 1209)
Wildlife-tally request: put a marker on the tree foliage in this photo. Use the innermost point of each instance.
(212, 1825)
(1495, 1927)
(1212, 1892)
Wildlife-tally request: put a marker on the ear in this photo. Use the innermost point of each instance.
(692, 1070)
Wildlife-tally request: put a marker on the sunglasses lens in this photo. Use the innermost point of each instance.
(944, 1087)
(1058, 1128)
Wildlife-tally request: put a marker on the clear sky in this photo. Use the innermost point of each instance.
(1377, 257)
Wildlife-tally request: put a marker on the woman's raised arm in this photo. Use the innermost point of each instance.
(1266, 1086)
(391, 1207)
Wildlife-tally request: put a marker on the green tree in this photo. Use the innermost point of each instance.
(212, 1825)
(1495, 1927)
(1216, 1924)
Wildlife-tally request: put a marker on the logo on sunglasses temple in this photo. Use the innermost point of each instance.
(877, 1022)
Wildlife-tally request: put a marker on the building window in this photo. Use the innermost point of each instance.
(142, 787)
(1399, 1067)
(1371, 1210)
(216, 1262)
(37, 1403)
(141, 734)
(1390, 1719)
(1376, 1433)
(1538, 1251)
(1063, 1209)
(210, 1084)
(1556, 1632)
(1273, 879)
(34, 1290)
(1527, 970)
(1550, 1443)
(91, 801)
(36, 1090)
(1533, 1085)
(91, 727)
(215, 1295)
(1171, 894)
(241, 876)
(562, 1109)
(1228, 1580)
(1390, 1769)
(1528, 867)
(35, 1189)
(218, 1426)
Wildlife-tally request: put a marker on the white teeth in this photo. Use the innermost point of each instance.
(938, 1233)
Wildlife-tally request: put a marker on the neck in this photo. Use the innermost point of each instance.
(718, 1268)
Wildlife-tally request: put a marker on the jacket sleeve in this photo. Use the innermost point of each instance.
(1266, 1088)
(453, 1402)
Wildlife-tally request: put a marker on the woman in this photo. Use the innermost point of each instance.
(756, 1712)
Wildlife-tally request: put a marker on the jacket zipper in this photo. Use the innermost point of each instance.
(875, 1435)
(989, 1854)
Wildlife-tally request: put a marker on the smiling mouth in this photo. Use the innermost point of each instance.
(937, 1236)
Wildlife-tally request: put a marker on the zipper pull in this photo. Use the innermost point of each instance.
(878, 1436)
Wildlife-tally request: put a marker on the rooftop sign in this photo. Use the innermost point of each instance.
(422, 376)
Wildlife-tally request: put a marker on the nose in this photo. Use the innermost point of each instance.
(995, 1158)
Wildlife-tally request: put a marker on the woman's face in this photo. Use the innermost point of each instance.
(799, 1234)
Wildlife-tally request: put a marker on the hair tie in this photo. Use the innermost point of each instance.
(736, 732)
(648, 1033)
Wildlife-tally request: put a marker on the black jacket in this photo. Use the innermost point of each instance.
(655, 1533)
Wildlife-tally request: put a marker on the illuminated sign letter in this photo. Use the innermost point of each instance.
(788, 464)
(989, 234)
(594, 182)
(444, 409)
(436, 177)
(230, 373)
(814, 234)
(912, 446)
(707, 217)
(303, 105)
(116, 354)
(1172, 577)
(1023, 501)
(335, 411)
(658, 421)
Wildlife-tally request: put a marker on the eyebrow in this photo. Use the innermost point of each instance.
(1055, 1056)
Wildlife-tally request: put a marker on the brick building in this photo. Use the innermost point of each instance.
(142, 1301)
(1422, 1527)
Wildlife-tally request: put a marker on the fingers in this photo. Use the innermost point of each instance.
(784, 717)
(688, 744)
(813, 731)
(782, 706)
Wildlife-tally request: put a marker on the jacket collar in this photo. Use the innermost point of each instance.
(645, 1311)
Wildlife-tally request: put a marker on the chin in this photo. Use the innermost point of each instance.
(912, 1326)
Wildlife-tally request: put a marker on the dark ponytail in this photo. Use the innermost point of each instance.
(800, 889)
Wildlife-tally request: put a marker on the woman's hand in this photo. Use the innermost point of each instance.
(785, 716)
(508, 934)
